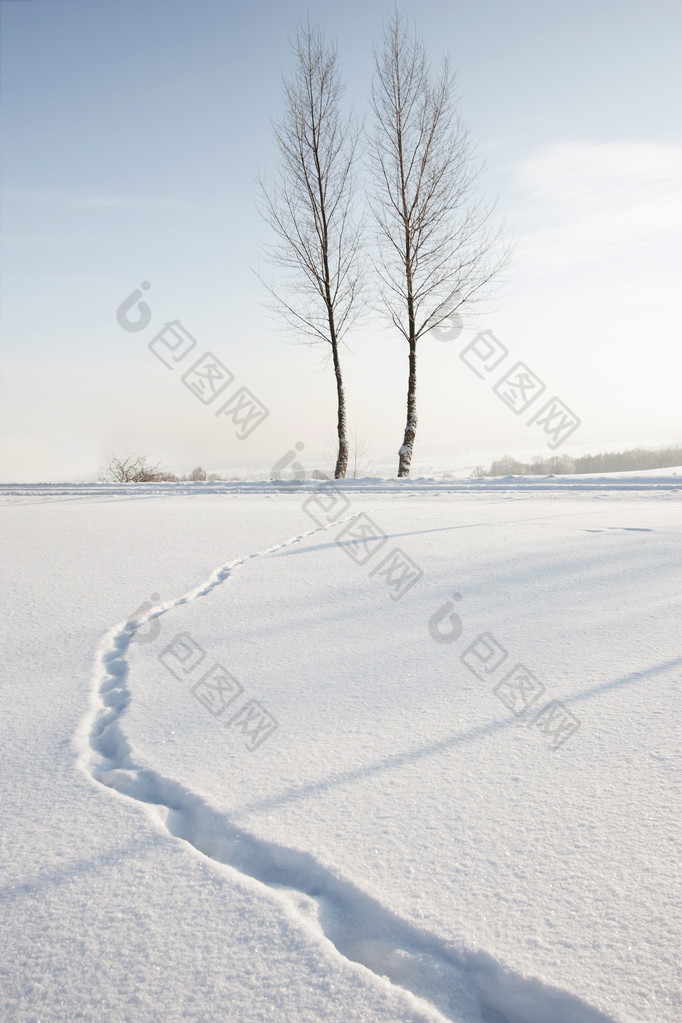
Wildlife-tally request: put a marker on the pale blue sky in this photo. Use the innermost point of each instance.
(132, 132)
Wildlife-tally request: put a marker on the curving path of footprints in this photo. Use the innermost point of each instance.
(452, 984)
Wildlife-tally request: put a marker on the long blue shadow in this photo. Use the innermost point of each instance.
(292, 795)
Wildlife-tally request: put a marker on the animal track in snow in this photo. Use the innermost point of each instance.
(452, 983)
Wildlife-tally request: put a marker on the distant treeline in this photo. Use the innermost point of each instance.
(561, 465)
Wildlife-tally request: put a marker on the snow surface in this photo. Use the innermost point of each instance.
(404, 845)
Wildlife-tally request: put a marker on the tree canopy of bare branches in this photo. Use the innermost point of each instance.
(132, 469)
(309, 206)
(435, 248)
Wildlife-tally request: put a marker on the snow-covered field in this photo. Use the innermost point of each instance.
(395, 750)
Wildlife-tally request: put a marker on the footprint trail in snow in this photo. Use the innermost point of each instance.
(449, 983)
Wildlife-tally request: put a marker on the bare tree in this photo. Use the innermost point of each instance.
(309, 207)
(435, 249)
(198, 475)
(133, 469)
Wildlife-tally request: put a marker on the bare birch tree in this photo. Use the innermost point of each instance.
(435, 248)
(310, 208)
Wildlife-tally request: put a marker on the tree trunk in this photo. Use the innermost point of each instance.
(342, 458)
(405, 453)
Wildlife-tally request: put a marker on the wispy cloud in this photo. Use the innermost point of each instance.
(104, 202)
(601, 200)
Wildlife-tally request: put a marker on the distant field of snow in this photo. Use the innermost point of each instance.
(375, 750)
